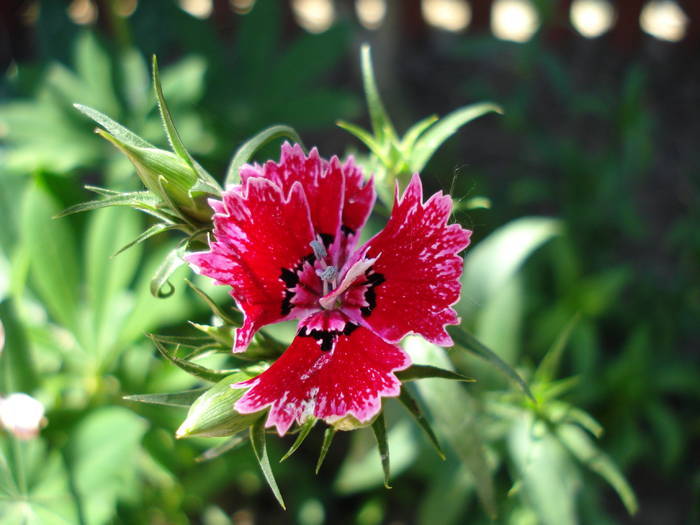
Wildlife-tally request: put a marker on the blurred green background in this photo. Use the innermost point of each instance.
(584, 199)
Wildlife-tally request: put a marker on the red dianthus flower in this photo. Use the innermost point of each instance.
(285, 241)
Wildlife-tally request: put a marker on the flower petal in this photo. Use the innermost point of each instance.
(332, 369)
(415, 280)
(338, 193)
(260, 247)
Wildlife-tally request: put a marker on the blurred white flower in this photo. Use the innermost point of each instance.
(21, 415)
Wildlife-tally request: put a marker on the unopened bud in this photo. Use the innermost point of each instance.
(22, 415)
(178, 178)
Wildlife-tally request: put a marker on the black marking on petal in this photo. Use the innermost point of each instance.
(373, 280)
(290, 278)
(327, 339)
(347, 230)
(327, 239)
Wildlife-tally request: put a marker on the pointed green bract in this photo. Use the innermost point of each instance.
(468, 342)
(303, 434)
(117, 130)
(207, 374)
(230, 444)
(168, 124)
(379, 429)
(245, 153)
(328, 436)
(224, 316)
(548, 366)
(257, 439)
(381, 124)
(213, 415)
(583, 448)
(145, 235)
(438, 133)
(173, 399)
(415, 372)
(415, 131)
(408, 401)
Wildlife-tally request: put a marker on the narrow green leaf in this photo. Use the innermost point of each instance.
(191, 368)
(230, 444)
(53, 254)
(379, 429)
(150, 232)
(245, 153)
(415, 131)
(571, 414)
(367, 139)
(583, 448)
(328, 436)
(428, 144)
(408, 401)
(547, 369)
(116, 129)
(468, 342)
(303, 433)
(173, 399)
(224, 316)
(415, 372)
(170, 130)
(257, 439)
(381, 125)
(136, 199)
(171, 263)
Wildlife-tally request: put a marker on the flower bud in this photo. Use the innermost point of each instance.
(21, 415)
(178, 177)
(213, 415)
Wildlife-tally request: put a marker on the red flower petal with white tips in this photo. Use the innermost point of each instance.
(332, 369)
(259, 232)
(338, 194)
(283, 241)
(416, 275)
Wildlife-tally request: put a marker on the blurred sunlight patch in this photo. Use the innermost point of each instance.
(514, 20)
(592, 18)
(449, 15)
(371, 13)
(664, 20)
(316, 16)
(197, 8)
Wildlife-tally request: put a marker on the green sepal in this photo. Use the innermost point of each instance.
(199, 371)
(304, 431)
(245, 153)
(173, 399)
(468, 342)
(415, 372)
(231, 443)
(408, 401)
(257, 439)
(213, 415)
(117, 130)
(328, 436)
(379, 429)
